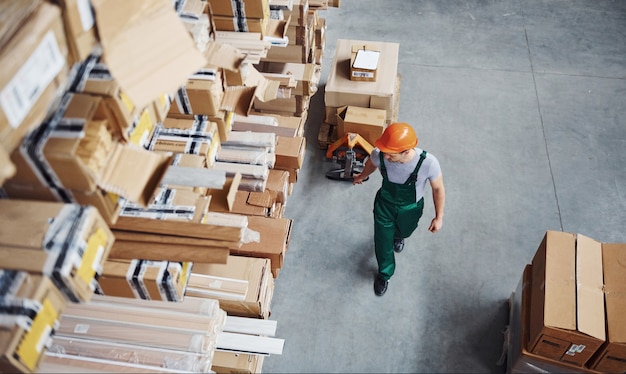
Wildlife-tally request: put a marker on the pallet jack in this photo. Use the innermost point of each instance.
(349, 151)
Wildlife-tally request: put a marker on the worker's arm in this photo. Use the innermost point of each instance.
(439, 199)
(368, 169)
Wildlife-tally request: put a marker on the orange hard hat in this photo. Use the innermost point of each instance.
(397, 137)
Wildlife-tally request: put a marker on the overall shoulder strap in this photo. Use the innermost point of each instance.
(383, 169)
(413, 177)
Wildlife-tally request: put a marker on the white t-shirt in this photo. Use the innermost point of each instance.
(398, 172)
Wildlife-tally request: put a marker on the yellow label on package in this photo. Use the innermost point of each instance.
(92, 256)
(31, 346)
(141, 132)
(127, 102)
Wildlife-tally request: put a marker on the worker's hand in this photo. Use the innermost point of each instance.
(358, 179)
(435, 225)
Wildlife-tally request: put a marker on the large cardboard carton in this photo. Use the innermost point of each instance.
(519, 359)
(150, 35)
(275, 236)
(26, 333)
(34, 70)
(611, 358)
(341, 90)
(367, 122)
(567, 312)
(290, 152)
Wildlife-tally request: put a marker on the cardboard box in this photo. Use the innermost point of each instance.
(290, 152)
(240, 24)
(236, 363)
(278, 182)
(275, 236)
(367, 122)
(341, 90)
(151, 35)
(262, 204)
(253, 271)
(252, 9)
(307, 75)
(147, 280)
(567, 312)
(34, 238)
(295, 105)
(34, 70)
(196, 136)
(611, 357)
(364, 63)
(519, 359)
(107, 203)
(96, 79)
(21, 349)
(199, 96)
(70, 162)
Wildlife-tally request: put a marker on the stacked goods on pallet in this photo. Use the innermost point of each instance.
(363, 75)
(51, 254)
(168, 151)
(567, 311)
(296, 60)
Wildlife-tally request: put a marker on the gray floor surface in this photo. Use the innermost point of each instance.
(524, 104)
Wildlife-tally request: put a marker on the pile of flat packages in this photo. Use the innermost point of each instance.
(147, 152)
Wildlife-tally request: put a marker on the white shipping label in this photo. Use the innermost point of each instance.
(81, 328)
(85, 13)
(24, 89)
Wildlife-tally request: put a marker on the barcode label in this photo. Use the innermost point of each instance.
(25, 88)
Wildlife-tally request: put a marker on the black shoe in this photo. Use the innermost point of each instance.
(380, 286)
(398, 245)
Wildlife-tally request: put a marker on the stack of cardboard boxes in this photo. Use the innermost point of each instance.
(140, 113)
(567, 313)
(363, 90)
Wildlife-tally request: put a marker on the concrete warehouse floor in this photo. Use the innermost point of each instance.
(524, 104)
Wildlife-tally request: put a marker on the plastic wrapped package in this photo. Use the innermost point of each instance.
(63, 363)
(251, 138)
(193, 305)
(143, 319)
(133, 354)
(246, 155)
(147, 334)
(252, 185)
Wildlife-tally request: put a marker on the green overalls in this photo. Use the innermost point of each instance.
(396, 214)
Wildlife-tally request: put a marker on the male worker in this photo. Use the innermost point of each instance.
(399, 202)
